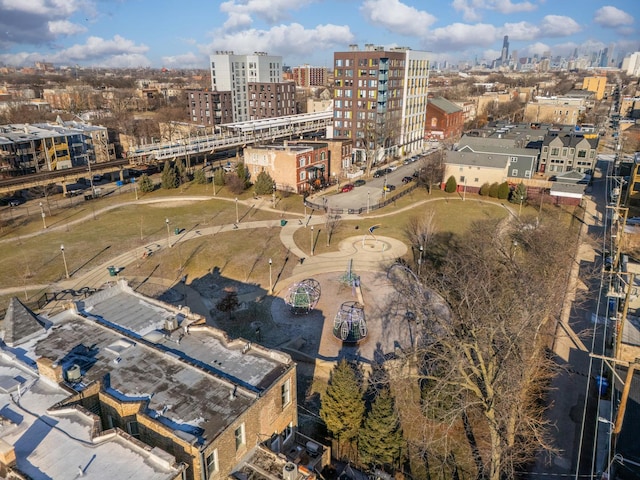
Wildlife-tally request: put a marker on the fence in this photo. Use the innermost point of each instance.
(361, 210)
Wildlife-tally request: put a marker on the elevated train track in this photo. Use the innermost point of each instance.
(231, 136)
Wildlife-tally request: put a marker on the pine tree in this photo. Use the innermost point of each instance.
(146, 185)
(218, 177)
(199, 177)
(169, 177)
(380, 440)
(503, 191)
(451, 185)
(243, 174)
(264, 184)
(342, 406)
(519, 194)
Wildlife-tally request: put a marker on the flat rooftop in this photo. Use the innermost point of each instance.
(194, 379)
(59, 445)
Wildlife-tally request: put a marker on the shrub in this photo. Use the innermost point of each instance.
(484, 189)
(493, 190)
(146, 185)
(264, 184)
(503, 191)
(199, 177)
(451, 185)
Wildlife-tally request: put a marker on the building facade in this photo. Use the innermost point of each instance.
(235, 73)
(380, 98)
(294, 167)
(307, 76)
(445, 120)
(564, 153)
(208, 107)
(598, 85)
(267, 100)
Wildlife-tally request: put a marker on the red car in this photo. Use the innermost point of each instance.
(347, 188)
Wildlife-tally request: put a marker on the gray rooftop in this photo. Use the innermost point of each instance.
(197, 383)
(20, 324)
(503, 146)
(445, 105)
(473, 159)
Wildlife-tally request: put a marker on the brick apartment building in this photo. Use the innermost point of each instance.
(307, 76)
(210, 108)
(380, 99)
(445, 119)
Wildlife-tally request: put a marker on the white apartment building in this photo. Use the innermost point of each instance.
(230, 72)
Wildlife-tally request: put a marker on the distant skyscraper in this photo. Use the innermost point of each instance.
(504, 58)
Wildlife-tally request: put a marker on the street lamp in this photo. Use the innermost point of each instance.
(368, 199)
(237, 217)
(166, 220)
(520, 208)
(44, 222)
(420, 260)
(312, 240)
(270, 280)
(64, 259)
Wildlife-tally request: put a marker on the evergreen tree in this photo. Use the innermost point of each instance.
(493, 190)
(380, 439)
(218, 177)
(503, 191)
(243, 174)
(264, 184)
(451, 185)
(519, 194)
(484, 189)
(342, 407)
(199, 177)
(146, 185)
(169, 177)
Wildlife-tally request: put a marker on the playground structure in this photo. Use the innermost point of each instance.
(349, 324)
(303, 296)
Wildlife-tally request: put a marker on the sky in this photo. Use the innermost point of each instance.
(182, 34)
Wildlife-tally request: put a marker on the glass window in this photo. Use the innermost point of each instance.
(240, 440)
(212, 462)
(285, 393)
(582, 154)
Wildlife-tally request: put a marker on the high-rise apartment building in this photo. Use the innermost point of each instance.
(242, 75)
(380, 98)
(308, 76)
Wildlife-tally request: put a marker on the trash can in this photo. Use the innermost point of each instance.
(283, 223)
(112, 271)
(177, 231)
(603, 385)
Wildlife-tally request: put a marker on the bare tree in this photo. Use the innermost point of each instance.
(431, 169)
(381, 131)
(486, 317)
(332, 224)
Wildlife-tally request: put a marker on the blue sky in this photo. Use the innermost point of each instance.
(181, 34)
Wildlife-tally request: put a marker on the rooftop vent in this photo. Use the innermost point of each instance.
(73, 373)
(171, 324)
(290, 471)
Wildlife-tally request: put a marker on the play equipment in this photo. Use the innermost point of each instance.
(303, 296)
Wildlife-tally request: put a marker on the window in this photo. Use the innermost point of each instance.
(513, 159)
(212, 462)
(582, 154)
(285, 393)
(240, 440)
(555, 151)
(132, 428)
(514, 172)
(301, 162)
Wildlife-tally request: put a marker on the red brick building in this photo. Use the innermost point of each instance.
(445, 119)
(208, 107)
(308, 76)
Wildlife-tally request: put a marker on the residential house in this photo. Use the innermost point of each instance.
(294, 167)
(566, 152)
(445, 119)
(154, 373)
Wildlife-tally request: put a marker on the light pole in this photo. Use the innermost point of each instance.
(44, 222)
(64, 259)
(420, 260)
(312, 240)
(237, 217)
(520, 208)
(270, 278)
(464, 192)
(166, 220)
(368, 199)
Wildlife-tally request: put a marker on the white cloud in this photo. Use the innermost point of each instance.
(285, 40)
(271, 11)
(65, 27)
(397, 17)
(612, 17)
(459, 36)
(56, 8)
(124, 60)
(521, 31)
(237, 21)
(538, 48)
(471, 9)
(186, 60)
(558, 26)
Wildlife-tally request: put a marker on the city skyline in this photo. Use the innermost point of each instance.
(182, 35)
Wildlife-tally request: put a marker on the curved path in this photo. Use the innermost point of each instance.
(366, 252)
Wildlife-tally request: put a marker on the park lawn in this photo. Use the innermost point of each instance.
(92, 242)
(452, 215)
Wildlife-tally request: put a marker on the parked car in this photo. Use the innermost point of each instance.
(392, 168)
(407, 179)
(359, 182)
(389, 188)
(347, 188)
(14, 202)
(379, 173)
